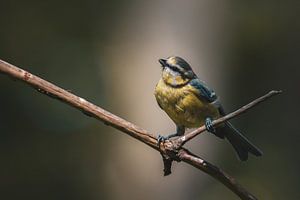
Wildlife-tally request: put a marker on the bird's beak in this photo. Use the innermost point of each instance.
(163, 62)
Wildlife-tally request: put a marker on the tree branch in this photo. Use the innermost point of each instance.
(171, 150)
(215, 172)
(183, 139)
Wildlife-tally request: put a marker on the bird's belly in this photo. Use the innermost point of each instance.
(184, 107)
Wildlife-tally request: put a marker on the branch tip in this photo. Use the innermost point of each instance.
(276, 91)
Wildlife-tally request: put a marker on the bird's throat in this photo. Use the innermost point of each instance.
(174, 79)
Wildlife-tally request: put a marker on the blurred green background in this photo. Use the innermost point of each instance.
(107, 52)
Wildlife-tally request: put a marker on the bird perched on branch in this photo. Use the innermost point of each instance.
(190, 103)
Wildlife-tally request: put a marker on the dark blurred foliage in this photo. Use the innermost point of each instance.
(45, 145)
(49, 150)
(265, 57)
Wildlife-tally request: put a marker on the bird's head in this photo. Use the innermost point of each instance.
(176, 71)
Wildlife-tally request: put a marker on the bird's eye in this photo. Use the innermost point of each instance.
(173, 68)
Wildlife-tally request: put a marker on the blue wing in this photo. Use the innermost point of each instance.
(204, 91)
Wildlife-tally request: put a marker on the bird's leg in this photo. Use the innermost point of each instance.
(209, 126)
(179, 132)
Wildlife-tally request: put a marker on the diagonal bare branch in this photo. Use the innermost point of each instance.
(183, 139)
(169, 149)
(215, 172)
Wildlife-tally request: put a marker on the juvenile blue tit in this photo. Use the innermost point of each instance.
(190, 103)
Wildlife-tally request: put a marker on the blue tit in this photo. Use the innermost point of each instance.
(190, 103)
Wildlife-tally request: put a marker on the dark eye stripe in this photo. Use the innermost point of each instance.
(173, 68)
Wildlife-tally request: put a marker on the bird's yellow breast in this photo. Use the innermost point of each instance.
(183, 105)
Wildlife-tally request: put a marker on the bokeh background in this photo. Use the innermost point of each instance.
(107, 52)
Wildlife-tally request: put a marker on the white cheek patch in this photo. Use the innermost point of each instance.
(167, 69)
(171, 72)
